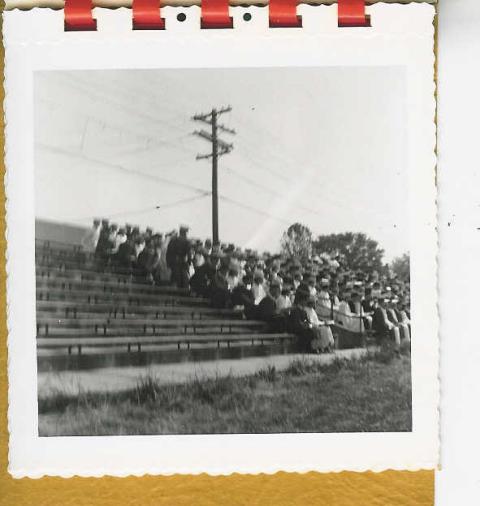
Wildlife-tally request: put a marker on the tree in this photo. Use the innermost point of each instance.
(359, 251)
(401, 266)
(297, 241)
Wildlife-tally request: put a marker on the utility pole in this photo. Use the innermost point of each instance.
(219, 148)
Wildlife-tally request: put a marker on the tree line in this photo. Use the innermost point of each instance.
(359, 251)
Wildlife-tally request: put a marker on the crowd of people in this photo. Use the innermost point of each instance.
(304, 296)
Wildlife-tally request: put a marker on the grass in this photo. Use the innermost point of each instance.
(367, 394)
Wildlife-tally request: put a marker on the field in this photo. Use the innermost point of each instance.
(367, 394)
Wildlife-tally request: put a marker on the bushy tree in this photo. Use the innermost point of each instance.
(297, 241)
(401, 266)
(359, 251)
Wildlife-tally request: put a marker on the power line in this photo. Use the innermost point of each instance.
(149, 209)
(253, 209)
(269, 190)
(150, 177)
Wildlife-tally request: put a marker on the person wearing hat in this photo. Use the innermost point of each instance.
(146, 261)
(220, 294)
(284, 301)
(242, 297)
(268, 311)
(324, 336)
(258, 286)
(103, 244)
(119, 239)
(201, 281)
(392, 316)
(323, 294)
(311, 283)
(310, 338)
(346, 318)
(381, 325)
(177, 258)
(125, 257)
(297, 279)
(90, 239)
(274, 272)
(356, 308)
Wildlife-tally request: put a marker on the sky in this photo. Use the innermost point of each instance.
(324, 146)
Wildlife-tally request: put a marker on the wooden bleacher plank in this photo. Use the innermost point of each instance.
(160, 340)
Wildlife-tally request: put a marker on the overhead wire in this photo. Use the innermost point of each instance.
(148, 209)
(150, 177)
(252, 209)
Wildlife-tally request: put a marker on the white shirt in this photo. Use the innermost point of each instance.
(324, 298)
(259, 293)
(90, 239)
(312, 316)
(139, 248)
(283, 302)
(119, 240)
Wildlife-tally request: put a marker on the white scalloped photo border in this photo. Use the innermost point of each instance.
(35, 40)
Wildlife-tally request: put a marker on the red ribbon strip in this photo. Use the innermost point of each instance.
(146, 15)
(78, 16)
(352, 13)
(215, 14)
(283, 14)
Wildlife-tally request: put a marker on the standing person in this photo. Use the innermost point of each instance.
(177, 258)
(90, 239)
(103, 244)
(112, 236)
(146, 261)
(126, 257)
(163, 273)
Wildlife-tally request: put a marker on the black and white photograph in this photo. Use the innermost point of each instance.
(222, 251)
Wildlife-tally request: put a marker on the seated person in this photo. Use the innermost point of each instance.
(242, 297)
(258, 287)
(392, 316)
(268, 310)
(381, 324)
(326, 337)
(284, 301)
(200, 282)
(299, 323)
(356, 308)
(323, 294)
(220, 294)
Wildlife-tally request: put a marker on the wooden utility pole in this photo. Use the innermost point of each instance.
(219, 148)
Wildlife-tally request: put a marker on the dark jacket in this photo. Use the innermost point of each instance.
(267, 309)
(380, 320)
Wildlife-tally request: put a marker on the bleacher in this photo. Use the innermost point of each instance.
(81, 310)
